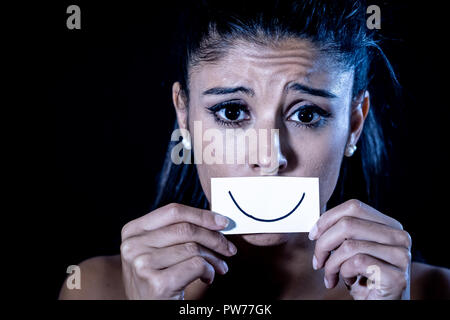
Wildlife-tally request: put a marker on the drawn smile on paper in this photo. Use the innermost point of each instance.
(266, 220)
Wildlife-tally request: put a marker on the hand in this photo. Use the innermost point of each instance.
(359, 243)
(165, 250)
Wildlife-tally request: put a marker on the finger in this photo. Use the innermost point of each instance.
(358, 229)
(384, 277)
(351, 208)
(394, 255)
(178, 276)
(181, 233)
(174, 213)
(169, 256)
(169, 282)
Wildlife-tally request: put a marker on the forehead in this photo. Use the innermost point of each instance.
(274, 65)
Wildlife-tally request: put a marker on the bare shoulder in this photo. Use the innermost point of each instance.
(429, 282)
(101, 279)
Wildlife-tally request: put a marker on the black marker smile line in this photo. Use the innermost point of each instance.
(266, 220)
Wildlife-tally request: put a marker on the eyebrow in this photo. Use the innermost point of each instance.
(226, 90)
(312, 91)
(295, 86)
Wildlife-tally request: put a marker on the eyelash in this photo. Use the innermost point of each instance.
(324, 115)
(218, 107)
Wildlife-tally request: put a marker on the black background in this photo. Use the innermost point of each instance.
(107, 116)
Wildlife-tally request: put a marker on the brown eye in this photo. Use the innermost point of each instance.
(305, 116)
(309, 115)
(232, 112)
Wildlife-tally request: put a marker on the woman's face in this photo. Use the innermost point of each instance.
(293, 88)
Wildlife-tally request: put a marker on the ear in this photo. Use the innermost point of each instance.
(360, 109)
(180, 103)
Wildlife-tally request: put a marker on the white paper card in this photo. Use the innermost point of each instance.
(266, 204)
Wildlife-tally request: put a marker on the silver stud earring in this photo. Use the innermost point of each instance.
(350, 150)
(186, 143)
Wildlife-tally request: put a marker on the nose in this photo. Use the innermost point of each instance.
(272, 162)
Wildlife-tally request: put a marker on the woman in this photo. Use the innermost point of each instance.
(302, 67)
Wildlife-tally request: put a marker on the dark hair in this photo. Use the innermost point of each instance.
(208, 28)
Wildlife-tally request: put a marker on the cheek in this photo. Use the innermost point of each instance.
(320, 155)
(208, 171)
(314, 153)
(204, 176)
(201, 122)
(205, 172)
(331, 159)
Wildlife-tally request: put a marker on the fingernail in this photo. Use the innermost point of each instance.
(221, 220)
(314, 262)
(224, 267)
(313, 233)
(327, 285)
(232, 248)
